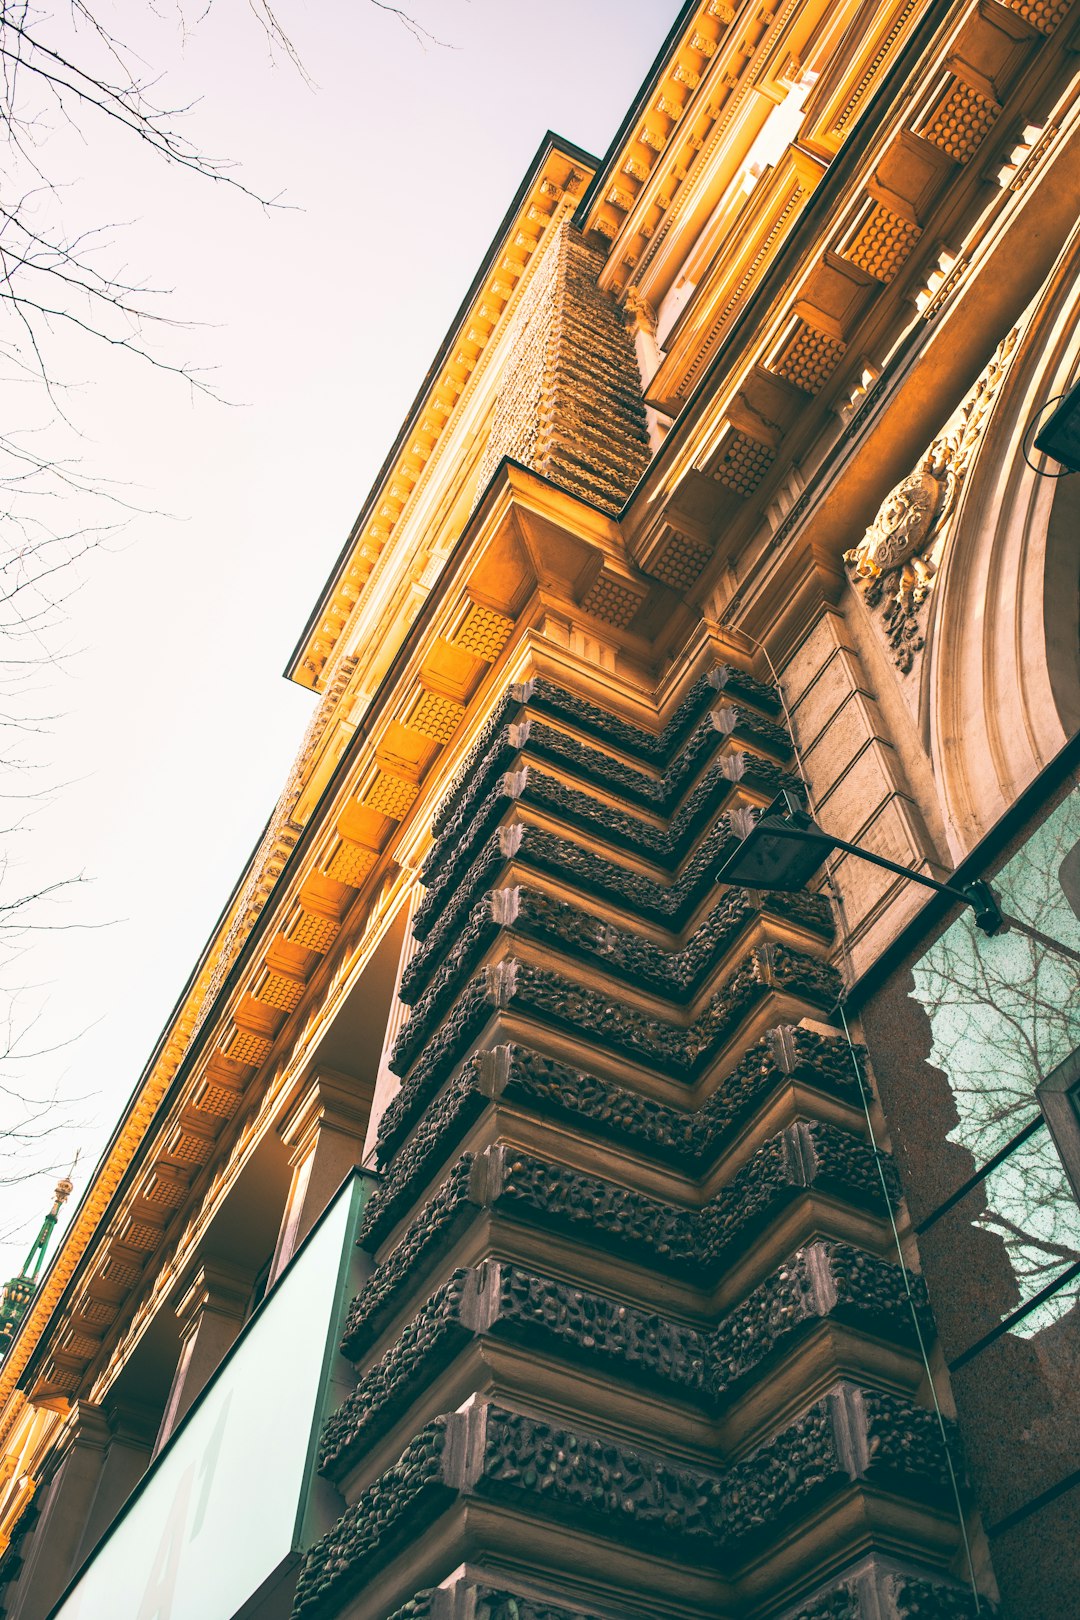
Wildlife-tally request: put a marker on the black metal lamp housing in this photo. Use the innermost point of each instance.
(1060, 435)
(786, 847)
(783, 850)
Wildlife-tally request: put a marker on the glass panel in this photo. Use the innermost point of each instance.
(1032, 1210)
(1004, 1012)
(219, 1513)
(1015, 1234)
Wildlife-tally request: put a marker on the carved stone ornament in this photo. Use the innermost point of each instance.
(899, 555)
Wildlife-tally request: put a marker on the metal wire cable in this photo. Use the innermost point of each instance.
(879, 1157)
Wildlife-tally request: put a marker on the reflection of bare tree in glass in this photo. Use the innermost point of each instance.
(1005, 1012)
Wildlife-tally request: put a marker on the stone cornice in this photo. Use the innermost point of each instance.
(942, 353)
(694, 122)
(558, 169)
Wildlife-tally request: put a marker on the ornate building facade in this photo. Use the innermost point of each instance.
(513, 1221)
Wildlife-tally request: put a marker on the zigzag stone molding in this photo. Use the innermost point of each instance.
(643, 822)
(851, 1435)
(823, 1280)
(680, 1051)
(692, 1142)
(692, 1244)
(652, 748)
(530, 912)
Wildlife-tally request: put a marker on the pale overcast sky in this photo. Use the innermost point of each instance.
(177, 728)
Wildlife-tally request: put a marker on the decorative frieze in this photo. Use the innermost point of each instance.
(475, 812)
(425, 1344)
(429, 1231)
(374, 1526)
(616, 950)
(682, 1051)
(528, 1078)
(547, 697)
(825, 1279)
(693, 1244)
(570, 403)
(659, 747)
(507, 706)
(820, 1282)
(548, 751)
(439, 1129)
(678, 975)
(877, 1590)
(468, 1601)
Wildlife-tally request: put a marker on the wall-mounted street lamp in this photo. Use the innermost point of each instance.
(785, 847)
(1060, 435)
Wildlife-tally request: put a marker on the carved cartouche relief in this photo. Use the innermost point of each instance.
(897, 559)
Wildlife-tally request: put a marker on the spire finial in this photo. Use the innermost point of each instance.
(21, 1289)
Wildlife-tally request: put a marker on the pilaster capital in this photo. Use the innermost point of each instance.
(86, 1429)
(133, 1423)
(639, 313)
(329, 1101)
(217, 1286)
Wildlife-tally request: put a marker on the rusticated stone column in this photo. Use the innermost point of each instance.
(635, 1305)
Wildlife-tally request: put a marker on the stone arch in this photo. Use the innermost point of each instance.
(1003, 683)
